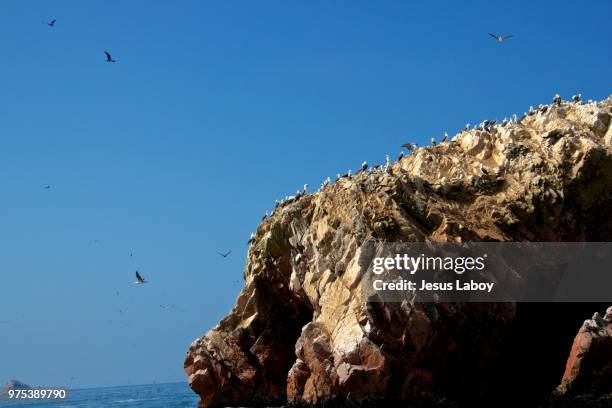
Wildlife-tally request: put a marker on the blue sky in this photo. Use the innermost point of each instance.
(213, 110)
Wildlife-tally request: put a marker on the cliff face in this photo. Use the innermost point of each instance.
(300, 330)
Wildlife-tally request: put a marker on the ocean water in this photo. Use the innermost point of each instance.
(173, 395)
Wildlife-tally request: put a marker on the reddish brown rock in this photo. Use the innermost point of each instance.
(301, 330)
(589, 366)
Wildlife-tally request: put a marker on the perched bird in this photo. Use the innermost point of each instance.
(387, 168)
(109, 58)
(51, 23)
(433, 141)
(486, 125)
(305, 189)
(139, 278)
(401, 156)
(483, 170)
(225, 254)
(576, 98)
(364, 166)
(445, 138)
(556, 100)
(252, 238)
(501, 38)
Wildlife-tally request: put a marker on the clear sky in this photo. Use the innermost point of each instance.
(213, 110)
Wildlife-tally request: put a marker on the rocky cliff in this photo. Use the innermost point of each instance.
(301, 332)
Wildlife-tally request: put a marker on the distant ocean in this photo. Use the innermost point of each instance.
(173, 395)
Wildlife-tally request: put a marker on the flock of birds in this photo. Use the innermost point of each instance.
(411, 147)
(486, 125)
(109, 57)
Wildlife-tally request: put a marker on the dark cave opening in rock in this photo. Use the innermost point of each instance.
(535, 352)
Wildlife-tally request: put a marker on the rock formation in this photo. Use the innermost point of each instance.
(14, 385)
(589, 366)
(301, 332)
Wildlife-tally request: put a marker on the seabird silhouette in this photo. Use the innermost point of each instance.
(139, 278)
(483, 170)
(433, 141)
(47, 187)
(109, 58)
(501, 38)
(401, 156)
(445, 138)
(364, 166)
(225, 255)
(577, 98)
(51, 23)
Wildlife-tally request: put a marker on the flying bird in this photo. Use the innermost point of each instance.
(109, 58)
(501, 38)
(51, 23)
(139, 279)
(410, 146)
(47, 187)
(225, 255)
